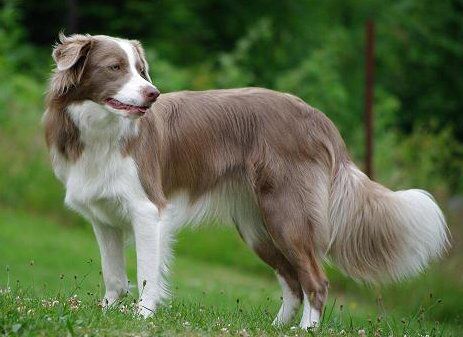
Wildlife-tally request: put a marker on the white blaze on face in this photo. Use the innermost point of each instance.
(131, 92)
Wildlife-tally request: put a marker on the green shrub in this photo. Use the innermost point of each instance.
(427, 157)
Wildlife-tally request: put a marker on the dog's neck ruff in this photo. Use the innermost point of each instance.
(97, 125)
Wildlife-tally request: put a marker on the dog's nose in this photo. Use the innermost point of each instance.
(150, 94)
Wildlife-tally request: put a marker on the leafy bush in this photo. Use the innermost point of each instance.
(26, 180)
(327, 74)
(422, 159)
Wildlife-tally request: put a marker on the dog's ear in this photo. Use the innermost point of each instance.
(139, 48)
(70, 56)
(71, 50)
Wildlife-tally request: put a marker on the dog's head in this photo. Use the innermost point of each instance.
(109, 71)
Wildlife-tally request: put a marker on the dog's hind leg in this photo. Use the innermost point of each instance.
(294, 216)
(287, 276)
(249, 223)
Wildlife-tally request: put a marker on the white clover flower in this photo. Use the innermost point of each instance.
(74, 302)
(243, 333)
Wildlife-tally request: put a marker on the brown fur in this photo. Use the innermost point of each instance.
(273, 141)
(249, 131)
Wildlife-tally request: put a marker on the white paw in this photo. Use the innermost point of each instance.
(310, 321)
(309, 325)
(108, 301)
(145, 310)
(286, 313)
(282, 319)
(277, 322)
(111, 297)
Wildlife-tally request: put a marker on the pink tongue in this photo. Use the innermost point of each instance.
(115, 103)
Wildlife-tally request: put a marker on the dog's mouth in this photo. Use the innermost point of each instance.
(131, 109)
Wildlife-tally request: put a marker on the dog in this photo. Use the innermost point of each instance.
(135, 161)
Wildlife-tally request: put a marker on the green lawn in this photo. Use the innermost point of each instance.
(218, 286)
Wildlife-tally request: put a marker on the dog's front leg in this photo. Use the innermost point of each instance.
(150, 257)
(110, 241)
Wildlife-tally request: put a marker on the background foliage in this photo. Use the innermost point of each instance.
(313, 49)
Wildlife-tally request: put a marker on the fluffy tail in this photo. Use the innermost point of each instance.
(379, 235)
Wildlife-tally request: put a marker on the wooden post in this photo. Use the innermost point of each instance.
(369, 93)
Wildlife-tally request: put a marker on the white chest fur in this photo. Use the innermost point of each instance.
(102, 185)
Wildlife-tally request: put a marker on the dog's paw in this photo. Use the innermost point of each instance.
(277, 322)
(144, 310)
(107, 302)
(111, 298)
(309, 324)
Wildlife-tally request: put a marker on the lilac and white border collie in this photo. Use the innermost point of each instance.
(133, 160)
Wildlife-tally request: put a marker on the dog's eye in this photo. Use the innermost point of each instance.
(115, 67)
(143, 73)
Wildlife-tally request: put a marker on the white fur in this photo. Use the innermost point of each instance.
(408, 224)
(289, 306)
(104, 187)
(230, 204)
(110, 241)
(310, 316)
(101, 175)
(426, 230)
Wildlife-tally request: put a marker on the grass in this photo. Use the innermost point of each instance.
(51, 285)
(219, 287)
